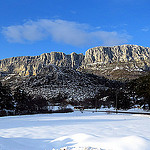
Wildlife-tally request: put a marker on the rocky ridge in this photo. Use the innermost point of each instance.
(123, 53)
(129, 61)
(118, 62)
(31, 65)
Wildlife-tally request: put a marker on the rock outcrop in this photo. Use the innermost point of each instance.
(118, 62)
(31, 65)
(123, 53)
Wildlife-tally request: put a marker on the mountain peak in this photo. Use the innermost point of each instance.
(135, 57)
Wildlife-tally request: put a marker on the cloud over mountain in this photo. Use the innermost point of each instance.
(62, 31)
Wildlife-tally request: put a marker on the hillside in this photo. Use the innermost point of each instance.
(53, 81)
(74, 76)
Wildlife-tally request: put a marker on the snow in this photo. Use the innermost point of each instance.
(75, 131)
(128, 69)
(116, 68)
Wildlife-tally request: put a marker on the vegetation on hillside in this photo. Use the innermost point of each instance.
(120, 96)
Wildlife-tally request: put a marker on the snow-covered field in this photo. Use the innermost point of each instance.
(75, 131)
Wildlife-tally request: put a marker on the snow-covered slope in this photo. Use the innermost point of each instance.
(75, 131)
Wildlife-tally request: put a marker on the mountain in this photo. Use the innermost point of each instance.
(75, 77)
(53, 81)
(117, 62)
(31, 65)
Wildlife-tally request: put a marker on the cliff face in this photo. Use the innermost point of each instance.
(123, 53)
(125, 61)
(118, 62)
(31, 65)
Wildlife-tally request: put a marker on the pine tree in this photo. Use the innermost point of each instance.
(141, 88)
(6, 99)
(39, 103)
(22, 100)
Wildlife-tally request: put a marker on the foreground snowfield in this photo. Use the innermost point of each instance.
(75, 131)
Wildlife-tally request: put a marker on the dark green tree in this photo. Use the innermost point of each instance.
(140, 88)
(22, 101)
(60, 99)
(6, 99)
(123, 100)
(39, 104)
(118, 98)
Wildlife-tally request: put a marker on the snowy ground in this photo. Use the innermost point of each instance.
(75, 131)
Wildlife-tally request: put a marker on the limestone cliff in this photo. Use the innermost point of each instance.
(123, 53)
(125, 61)
(31, 65)
(118, 62)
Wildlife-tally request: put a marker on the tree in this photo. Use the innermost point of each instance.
(22, 101)
(60, 99)
(118, 98)
(90, 103)
(123, 100)
(141, 88)
(39, 104)
(6, 99)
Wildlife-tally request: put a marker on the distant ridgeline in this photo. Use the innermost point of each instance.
(118, 62)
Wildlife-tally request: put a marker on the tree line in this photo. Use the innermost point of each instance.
(121, 96)
(124, 95)
(19, 102)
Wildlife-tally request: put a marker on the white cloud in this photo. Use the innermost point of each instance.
(62, 31)
(145, 29)
(111, 38)
(30, 31)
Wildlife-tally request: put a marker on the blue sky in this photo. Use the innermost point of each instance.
(33, 27)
